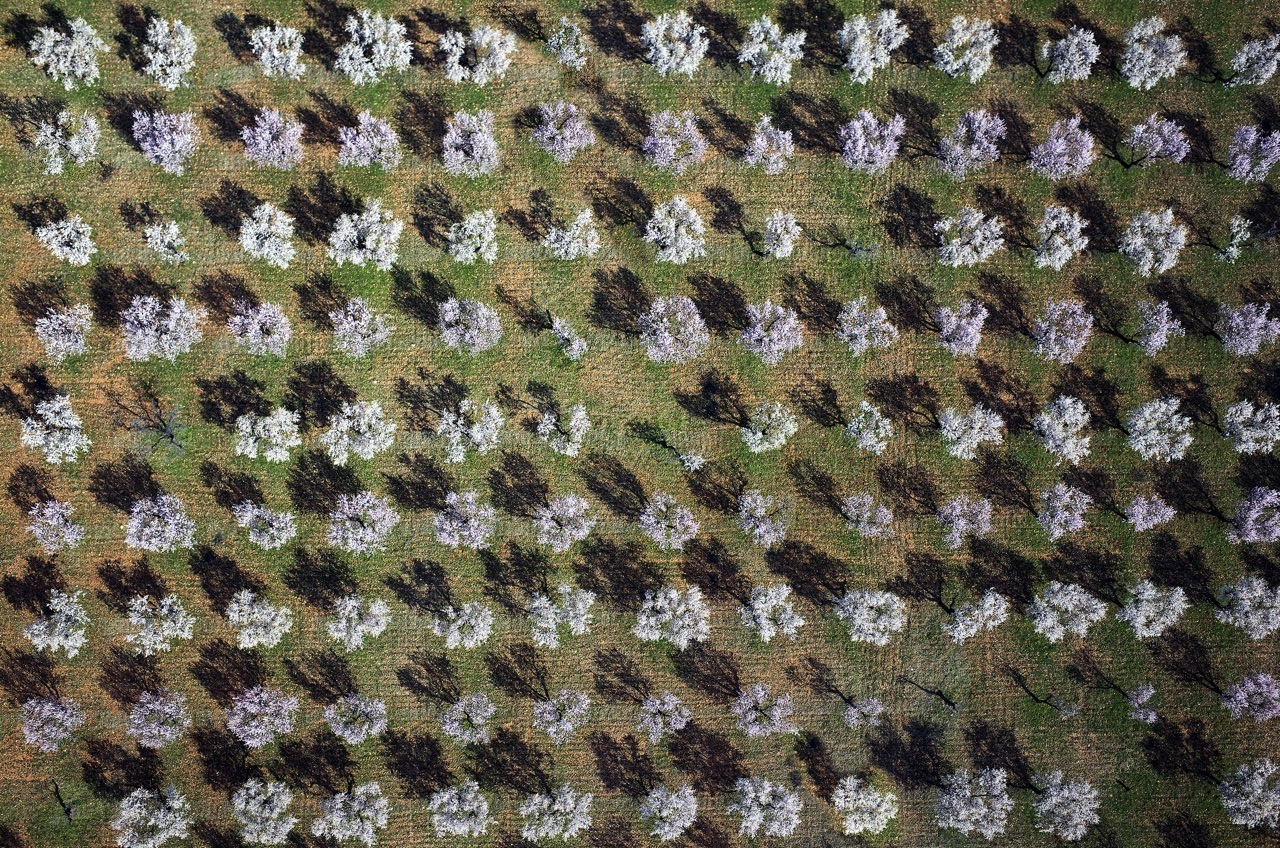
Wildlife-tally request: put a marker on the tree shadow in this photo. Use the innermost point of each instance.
(818, 762)
(132, 37)
(1185, 658)
(910, 754)
(121, 482)
(316, 210)
(812, 301)
(121, 107)
(1102, 224)
(223, 292)
(818, 400)
(910, 218)
(821, 21)
(325, 675)
(328, 31)
(507, 761)
(417, 761)
(813, 123)
(228, 206)
(225, 671)
(517, 487)
(235, 31)
(812, 574)
(1002, 391)
(112, 772)
(225, 398)
(908, 399)
(122, 583)
(224, 759)
(815, 485)
(422, 585)
(617, 572)
(1174, 749)
(515, 575)
(617, 677)
(315, 483)
(420, 294)
(230, 488)
(621, 765)
(619, 202)
(709, 564)
(420, 121)
(518, 670)
(29, 487)
(113, 290)
(26, 674)
(614, 484)
(618, 300)
(319, 576)
(434, 213)
(422, 484)
(430, 677)
(322, 120)
(1005, 480)
(614, 26)
(535, 222)
(29, 591)
(718, 399)
(712, 672)
(621, 121)
(920, 135)
(316, 393)
(711, 761)
(220, 577)
(39, 211)
(125, 676)
(718, 485)
(994, 566)
(725, 131)
(33, 299)
(319, 296)
(321, 765)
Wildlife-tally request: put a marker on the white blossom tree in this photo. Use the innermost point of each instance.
(1247, 328)
(1151, 54)
(1072, 57)
(273, 141)
(166, 240)
(480, 57)
(568, 45)
(667, 523)
(871, 615)
(975, 802)
(968, 620)
(469, 325)
(170, 51)
(1153, 241)
(155, 330)
(770, 53)
(257, 715)
(370, 236)
(263, 812)
(69, 56)
(674, 142)
(357, 329)
(69, 239)
(862, 327)
(158, 719)
(562, 814)
(763, 518)
(869, 145)
(470, 426)
(769, 147)
(578, 239)
(61, 626)
(467, 719)
(1156, 326)
(769, 427)
(1250, 797)
(459, 810)
(48, 722)
(72, 137)
(769, 612)
(376, 44)
(1158, 140)
(372, 141)
(866, 517)
(1158, 430)
(778, 238)
(160, 524)
(673, 330)
(157, 623)
(56, 431)
(669, 812)
(474, 238)
(573, 612)
(354, 816)
(63, 332)
(868, 43)
(662, 714)
(965, 48)
(1065, 808)
(279, 51)
(271, 435)
(263, 330)
(676, 231)
(1252, 154)
(464, 522)
(468, 626)
(258, 622)
(1250, 604)
(1062, 331)
(267, 234)
(968, 238)
(563, 131)
(360, 523)
(166, 139)
(1062, 237)
(674, 44)
(354, 718)
(1252, 429)
(1061, 425)
(865, 808)
(964, 517)
(960, 327)
(761, 713)
(469, 147)
(1256, 62)
(766, 806)
(1065, 608)
(1151, 610)
(52, 527)
(1062, 509)
(972, 144)
(360, 428)
(965, 432)
(149, 818)
(561, 715)
(1147, 511)
(356, 620)
(671, 615)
